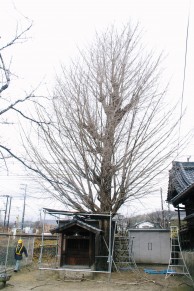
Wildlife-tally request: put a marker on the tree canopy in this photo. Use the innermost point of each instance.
(108, 131)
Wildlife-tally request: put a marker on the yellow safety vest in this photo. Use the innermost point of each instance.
(19, 249)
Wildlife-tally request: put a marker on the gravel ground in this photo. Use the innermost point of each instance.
(43, 280)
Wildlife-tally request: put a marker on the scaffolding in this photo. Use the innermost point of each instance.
(177, 265)
(55, 265)
(124, 257)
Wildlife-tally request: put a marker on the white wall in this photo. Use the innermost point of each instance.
(151, 246)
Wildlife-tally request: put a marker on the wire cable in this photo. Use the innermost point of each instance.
(184, 77)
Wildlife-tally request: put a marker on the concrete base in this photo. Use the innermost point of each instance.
(75, 275)
(68, 275)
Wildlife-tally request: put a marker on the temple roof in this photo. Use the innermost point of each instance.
(181, 182)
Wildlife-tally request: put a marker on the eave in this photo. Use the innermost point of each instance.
(81, 224)
(182, 196)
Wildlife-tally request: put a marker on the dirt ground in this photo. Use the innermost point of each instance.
(43, 280)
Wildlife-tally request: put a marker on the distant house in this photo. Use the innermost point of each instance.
(181, 196)
(144, 224)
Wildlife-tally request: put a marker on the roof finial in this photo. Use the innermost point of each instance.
(188, 158)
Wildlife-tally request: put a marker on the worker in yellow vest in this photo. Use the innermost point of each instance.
(19, 250)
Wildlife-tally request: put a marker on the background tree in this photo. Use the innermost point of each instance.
(13, 109)
(108, 132)
(159, 218)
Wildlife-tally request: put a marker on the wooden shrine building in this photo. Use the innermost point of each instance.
(81, 239)
(77, 242)
(181, 196)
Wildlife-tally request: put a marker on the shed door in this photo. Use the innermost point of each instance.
(76, 252)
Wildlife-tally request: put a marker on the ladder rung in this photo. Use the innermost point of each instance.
(175, 258)
(177, 266)
(128, 263)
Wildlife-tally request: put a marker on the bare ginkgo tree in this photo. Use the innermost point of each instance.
(108, 131)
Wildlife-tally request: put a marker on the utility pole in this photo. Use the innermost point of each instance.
(5, 217)
(1, 217)
(40, 215)
(4, 223)
(7, 211)
(162, 206)
(24, 206)
(10, 198)
(169, 219)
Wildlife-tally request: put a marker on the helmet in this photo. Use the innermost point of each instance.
(20, 241)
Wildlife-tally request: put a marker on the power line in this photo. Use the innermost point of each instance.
(184, 77)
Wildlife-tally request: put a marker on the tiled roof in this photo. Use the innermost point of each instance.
(181, 180)
(78, 223)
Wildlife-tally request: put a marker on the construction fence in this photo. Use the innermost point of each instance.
(33, 244)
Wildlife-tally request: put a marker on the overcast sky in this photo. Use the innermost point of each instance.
(60, 26)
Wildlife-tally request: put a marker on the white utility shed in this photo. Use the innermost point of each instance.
(151, 246)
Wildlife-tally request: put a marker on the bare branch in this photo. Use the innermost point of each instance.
(111, 132)
(17, 38)
(6, 73)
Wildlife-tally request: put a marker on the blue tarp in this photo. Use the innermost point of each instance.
(151, 271)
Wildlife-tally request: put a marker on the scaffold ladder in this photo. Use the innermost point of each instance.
(123, 253)
(177, 265)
